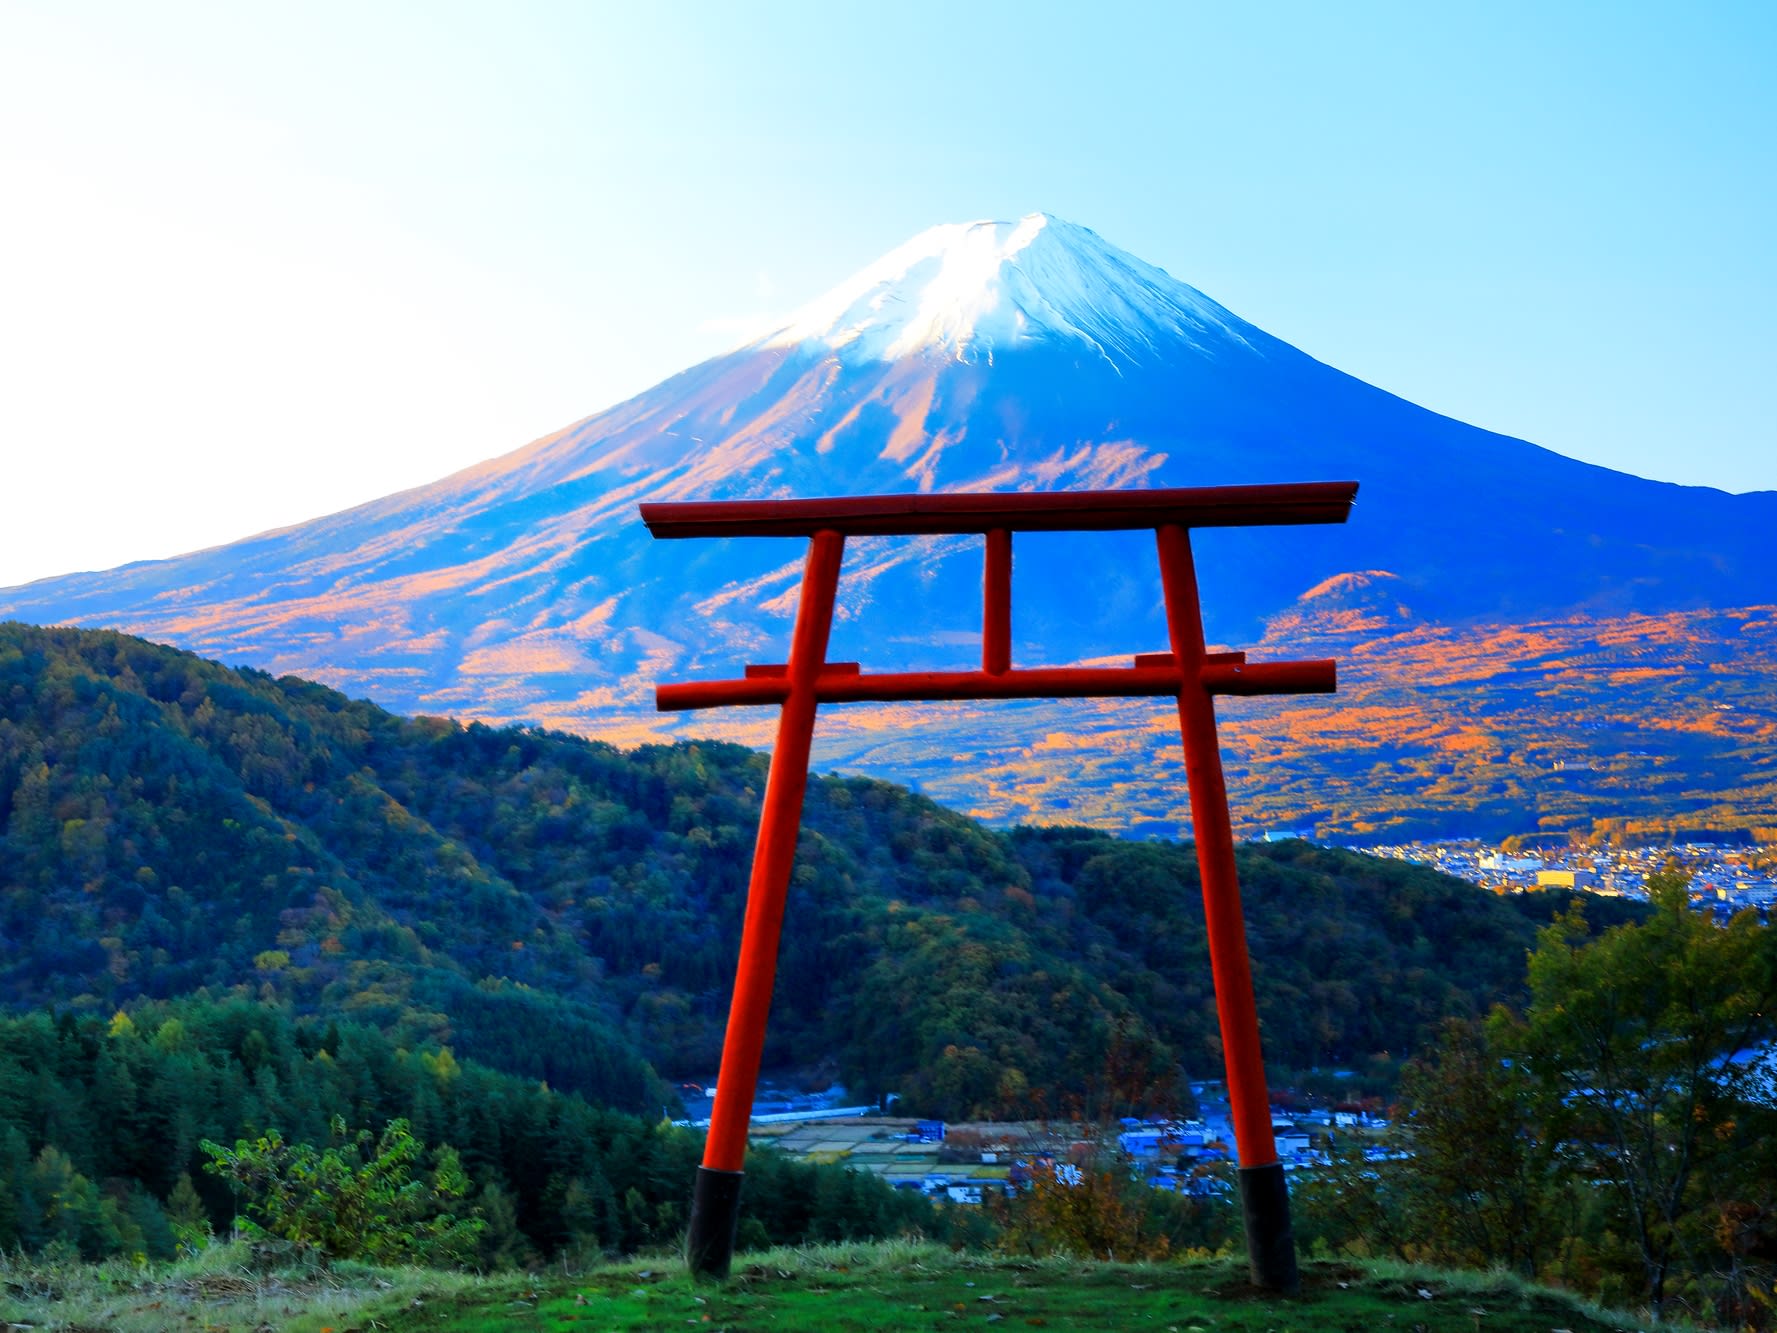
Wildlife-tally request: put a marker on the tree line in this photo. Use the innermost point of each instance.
(567, 911)
(164, 1123)
(1615, 1133)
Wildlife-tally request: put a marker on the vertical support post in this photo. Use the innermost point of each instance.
(1264, 1194)
(715, 1204)
(996, 603)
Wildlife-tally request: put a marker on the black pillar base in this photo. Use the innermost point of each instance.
(715, 1216)
(1270, 1241)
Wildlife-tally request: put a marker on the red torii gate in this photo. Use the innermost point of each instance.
(1188, 672)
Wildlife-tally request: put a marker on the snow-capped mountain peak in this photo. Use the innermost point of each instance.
(969, 290)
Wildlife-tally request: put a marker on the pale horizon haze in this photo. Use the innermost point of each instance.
(260, 264)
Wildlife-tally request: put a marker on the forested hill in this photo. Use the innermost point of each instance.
(570, 912)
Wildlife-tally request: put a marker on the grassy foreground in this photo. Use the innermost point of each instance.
(832, 1289)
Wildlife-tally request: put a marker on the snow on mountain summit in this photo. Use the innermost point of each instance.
(971, 289)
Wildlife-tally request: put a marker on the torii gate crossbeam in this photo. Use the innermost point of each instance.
(1188, 672)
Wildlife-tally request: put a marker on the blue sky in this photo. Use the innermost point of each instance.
(259, 263)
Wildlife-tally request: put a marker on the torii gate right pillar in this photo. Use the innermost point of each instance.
(1264, 1194)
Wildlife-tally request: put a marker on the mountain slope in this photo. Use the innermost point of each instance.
(988, 356)
(564, 911)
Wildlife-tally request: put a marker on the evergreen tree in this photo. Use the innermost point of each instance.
(186, 1215)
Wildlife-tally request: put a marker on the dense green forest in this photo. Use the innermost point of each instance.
(1593, 1137)
(253, 934)
(568, 912)
(103, 1125)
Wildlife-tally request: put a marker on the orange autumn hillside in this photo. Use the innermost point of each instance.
(1582, 725)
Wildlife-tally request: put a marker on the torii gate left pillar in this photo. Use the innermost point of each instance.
(1188, 672)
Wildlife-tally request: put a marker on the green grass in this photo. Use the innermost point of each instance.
(830, 1289)
(221, 1290)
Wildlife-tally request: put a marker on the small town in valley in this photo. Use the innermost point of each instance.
(1724, 879)
(969, 1163)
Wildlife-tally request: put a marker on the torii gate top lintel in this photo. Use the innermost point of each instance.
(1011, 511)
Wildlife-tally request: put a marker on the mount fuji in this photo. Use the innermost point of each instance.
(1008, 356)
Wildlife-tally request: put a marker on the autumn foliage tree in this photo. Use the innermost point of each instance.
(1095, 1212)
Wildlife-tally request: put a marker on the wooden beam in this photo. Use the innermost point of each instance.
(844, 684)
(1010, 511)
